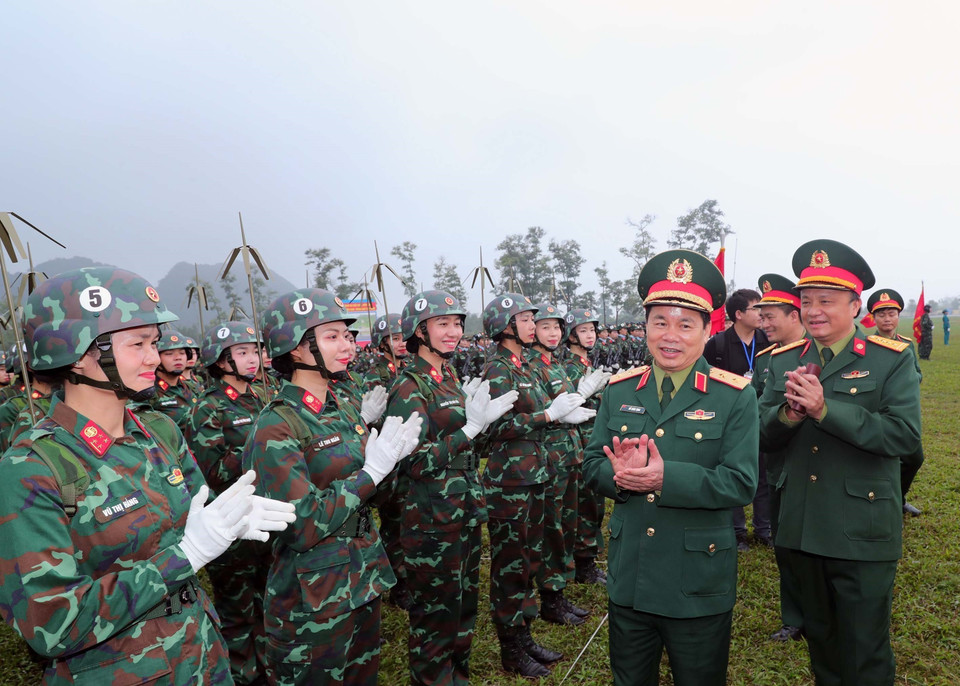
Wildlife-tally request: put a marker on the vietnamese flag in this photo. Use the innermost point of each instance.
(719, 316)
(868, 320)
(917, 316)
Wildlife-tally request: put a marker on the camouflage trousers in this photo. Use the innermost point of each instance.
(559, 529)
(239, 577)
(443, 574)
(516, 539)
(344, 650)
(390, 506)
(589, 540)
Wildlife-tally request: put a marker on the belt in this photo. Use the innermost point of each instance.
(465, 461)
(173, 603)
(357, 524)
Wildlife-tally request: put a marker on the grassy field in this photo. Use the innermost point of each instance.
(926, 605)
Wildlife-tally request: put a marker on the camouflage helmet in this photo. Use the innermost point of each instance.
(11, 360)
(427, 305)
(224, 336)
(67, 312)
(501, 310)
(578, 316)
(172, 340)
(547, 311)
(293, 314)
(379, 332)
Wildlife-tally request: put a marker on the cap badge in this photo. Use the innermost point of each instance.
(767, 287)
(250, 330)
(819, 259)
(680, 271)
(339, 303)
(152, 294)
(174, 339)
(549, 309)
(885, 296)
(448, 300)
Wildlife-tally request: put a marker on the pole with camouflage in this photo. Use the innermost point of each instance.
(201, 293)
(247, 252)
(13, 247)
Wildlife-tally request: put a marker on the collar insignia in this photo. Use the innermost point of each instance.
(232, 393)
(311, 401)
(95, 437)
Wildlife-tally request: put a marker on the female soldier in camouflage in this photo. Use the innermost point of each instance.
(514, 482)
(102, 513)
(322, 600)
(218, 429)
(444, 507)
(564, 455)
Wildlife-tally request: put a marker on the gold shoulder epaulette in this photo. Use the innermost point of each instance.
(898, 346)
(729, 378)
(904, 338)
(628, 374)
(766, 350)
(789, 346)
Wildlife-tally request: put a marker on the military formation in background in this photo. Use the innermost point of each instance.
(315, 479)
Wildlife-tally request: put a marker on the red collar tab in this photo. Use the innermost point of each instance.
(36, 395)
(700, 381)
(95, 437)
(516, 361)
(435, 375)
(806, 347)
(859, 346)
(546, 360)
(232, 392)
(163, 384)
(392, 367)
(137, 421)
(312, 401)
(585, 362)
(643, 379)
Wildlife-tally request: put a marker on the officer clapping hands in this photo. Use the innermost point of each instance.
(637, 464)
(373, 404)
(482, 410)
(395, 441)
(593, 382)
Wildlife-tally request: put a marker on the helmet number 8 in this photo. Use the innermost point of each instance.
(95, 299)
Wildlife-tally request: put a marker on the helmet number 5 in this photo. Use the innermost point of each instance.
(95, 298)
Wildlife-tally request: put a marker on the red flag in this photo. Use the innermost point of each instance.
(719, 316)
(917, 315)
(868, 321)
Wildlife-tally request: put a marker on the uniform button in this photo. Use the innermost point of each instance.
(650, 531)
(623, 428)
(815, 449)
(651, 497)
(712, 548)
(871, 495)
(659, 433)
(698, 435)
(853, 391)
(813, 477)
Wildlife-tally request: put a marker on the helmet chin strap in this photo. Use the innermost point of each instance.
(549, 348)
(249, 378)
(514, 337)
(311, 339)
(426, 341)
(114, 383)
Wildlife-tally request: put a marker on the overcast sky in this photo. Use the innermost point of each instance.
(135, 131)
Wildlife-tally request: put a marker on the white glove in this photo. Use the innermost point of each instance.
(210, 529)
(476, 406)
(499, 406)
(562, 405)
(373, 404)
(395, 441)
(593, 382)
(578, 415)
(470, 386)
(267, 515)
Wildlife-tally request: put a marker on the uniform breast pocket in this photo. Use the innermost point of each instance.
(870, 509)
(324, 575)
(861, 391)
(116, 525)
(709, 561)
(630, 425)
(698, 439)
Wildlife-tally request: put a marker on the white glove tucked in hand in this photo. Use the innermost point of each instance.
(562, 405)
(210, 529)
(578, 415)
(373, 404)
(394, 442)
(593, 382)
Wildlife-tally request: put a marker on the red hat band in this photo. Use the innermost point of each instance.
(780, 297)
(829, 277)
(883, 304)
(673, 291)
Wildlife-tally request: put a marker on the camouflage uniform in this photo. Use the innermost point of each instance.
(25, 420)
(218, 428)
(106, 596)
(322, 600)
(10, 412)
(174, 400)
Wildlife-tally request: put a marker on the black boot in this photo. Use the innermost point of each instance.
(553, 610)
(514, 658)
(588, 572)
(400, 595)
(535, 650)
(571, 608)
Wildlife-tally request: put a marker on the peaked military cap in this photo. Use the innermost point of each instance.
(682, 278)
(777, 290)
(824, 263)
(884, 298)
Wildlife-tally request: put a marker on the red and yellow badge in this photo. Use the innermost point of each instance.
(175, 477)
(339, 303)
(859, 347)
(231, 393)
(585, 362)
(163, 384)
(250, 330)
(586, 313)
(152, 294)
(435, 375)
(311, 401)
(174, 339)
(95, 437)
(516, 361)
(680, 271)
(447, 300)
(360, 429)
(392, 367)
(700, 381)
(767, 287)
(820, 259)
(545, 359)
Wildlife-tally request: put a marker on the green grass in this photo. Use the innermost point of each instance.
(926, 604)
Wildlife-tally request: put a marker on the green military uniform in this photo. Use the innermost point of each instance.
(10, 413)
(840, 511)
(672, 572)
(174, 400)
(25, 419)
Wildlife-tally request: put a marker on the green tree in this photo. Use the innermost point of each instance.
(588, 300)
(618, 295)
(603, 278)
(445, 278)
(233, 299)
(405, 253)
(643, 246)
(567, 262)
(319, 261)
(522, 258)
(700, 228)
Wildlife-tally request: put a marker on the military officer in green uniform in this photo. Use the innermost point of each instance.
(675, 446)
(173, 397)
(885, 304)
(842, 407)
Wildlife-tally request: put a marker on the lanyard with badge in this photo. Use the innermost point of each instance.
(749, 355)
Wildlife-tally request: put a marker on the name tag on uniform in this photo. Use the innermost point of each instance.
(328, 441)
(448, 403)
(128, 503)
(168, 403)
(242, 421)
(635, 409)
(525, 385)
